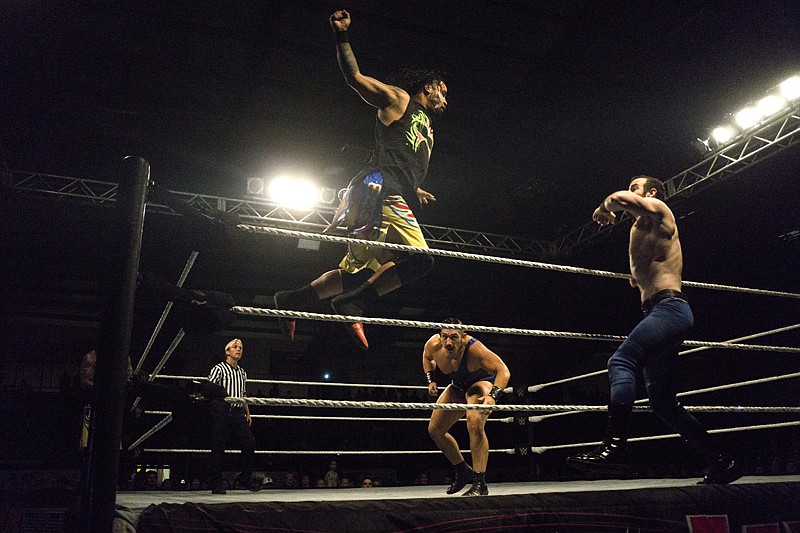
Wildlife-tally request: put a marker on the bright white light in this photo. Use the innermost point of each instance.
(748, 117)
(790, 88)
(293, 193)
(722, 134)
(326, 376)
(769, 105)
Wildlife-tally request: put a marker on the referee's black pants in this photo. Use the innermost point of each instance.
(230, 421)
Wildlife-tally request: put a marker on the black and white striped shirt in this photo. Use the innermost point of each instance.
(233, 378)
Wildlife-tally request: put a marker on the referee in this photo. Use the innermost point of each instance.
(231, 419)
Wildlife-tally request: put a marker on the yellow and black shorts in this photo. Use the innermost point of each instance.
(398, 225)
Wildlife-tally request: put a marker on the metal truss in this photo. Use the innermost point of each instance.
(742, 152)
(260, 212)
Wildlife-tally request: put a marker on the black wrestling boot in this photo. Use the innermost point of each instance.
(721, 468)
(611, 457)
(722, 471)
(478, 487)
(461, 476)
(298, 300)
(353, 303)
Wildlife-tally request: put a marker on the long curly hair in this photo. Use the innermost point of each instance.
(414, 79)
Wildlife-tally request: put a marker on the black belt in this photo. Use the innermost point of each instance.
(651, 302)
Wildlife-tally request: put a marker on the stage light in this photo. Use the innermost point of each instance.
(748, 117)
(769, 105)
(326, 376)
(790, 89)
(255, 186)
(293, 193)
(327, 195)
(758, 113)
(722, 134)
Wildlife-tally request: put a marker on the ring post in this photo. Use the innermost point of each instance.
(113, 350)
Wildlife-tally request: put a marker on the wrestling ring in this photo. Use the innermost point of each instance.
(519, 400)
(655, 504)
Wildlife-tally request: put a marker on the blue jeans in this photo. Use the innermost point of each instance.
(654, 345)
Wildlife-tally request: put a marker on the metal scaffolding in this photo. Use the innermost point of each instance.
(766, 140)
(261, 212)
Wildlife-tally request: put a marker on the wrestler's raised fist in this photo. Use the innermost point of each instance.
(340, 20)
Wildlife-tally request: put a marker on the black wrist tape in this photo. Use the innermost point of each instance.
(429, 377)
(495, 393)
(341, 37)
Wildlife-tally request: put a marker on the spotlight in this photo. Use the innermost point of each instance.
(293, 193)
(790, 89)
(327, 195)
(748, 117)
(326, 376)
(722, 134)
(255, 186)
(758, 112)
(769, 105)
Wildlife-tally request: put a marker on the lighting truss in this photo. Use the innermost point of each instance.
(741, 153)
(770, 138)
(260, 212)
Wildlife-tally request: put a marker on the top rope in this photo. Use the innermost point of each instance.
(492, 259)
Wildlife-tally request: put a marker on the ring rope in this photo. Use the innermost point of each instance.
(152, 431)
(510, 451)
(535, 419)
(540, 449)
(314, 383)
(735, 385)
(537, 388)
(283, 313)
(491, 259)
(508, 420)
(181, 280)
(533, 449)
(349, 404)
(173, 345)
(746, 338)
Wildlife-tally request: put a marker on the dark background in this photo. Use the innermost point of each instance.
(551, 107)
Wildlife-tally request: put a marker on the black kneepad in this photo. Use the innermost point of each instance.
(351, 282)
(413, 266)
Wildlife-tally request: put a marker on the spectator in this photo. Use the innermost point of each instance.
(151, 480)
(291, 480)
(332, 476)
(366, 483)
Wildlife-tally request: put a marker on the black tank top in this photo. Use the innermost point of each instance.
(462, 378)
(402, 152)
